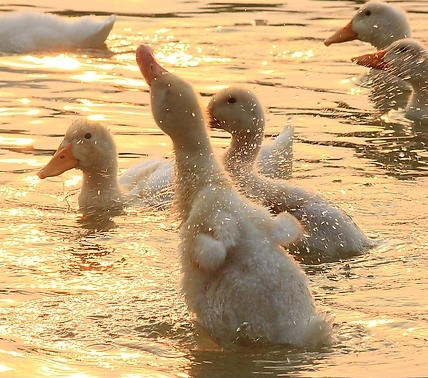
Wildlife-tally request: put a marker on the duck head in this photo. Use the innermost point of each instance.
(88, 146)
(406, 59)
(377, 23)
(175, 105)
(237, 111)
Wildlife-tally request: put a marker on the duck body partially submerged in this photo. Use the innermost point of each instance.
(149, 183)
(329, 233)
(90, 147)
(406, 59)
(26, 32)
(235, 274)
(379, 24)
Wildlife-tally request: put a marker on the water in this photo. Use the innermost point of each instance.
(103, 300)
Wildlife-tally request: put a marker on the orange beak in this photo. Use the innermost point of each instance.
(342, 35)
(374, 60)
(62, 161)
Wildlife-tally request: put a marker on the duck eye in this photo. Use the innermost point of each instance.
(231, 100)
(88, 136)
(367, 13)
(402, 50)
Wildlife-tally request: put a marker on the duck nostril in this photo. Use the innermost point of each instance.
(62, 157)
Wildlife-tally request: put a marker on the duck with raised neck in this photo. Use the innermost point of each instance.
(236, 277)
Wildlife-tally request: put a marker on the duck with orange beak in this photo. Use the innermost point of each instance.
(379, 24)
(407, 60)
(90, 147)
(237, 280)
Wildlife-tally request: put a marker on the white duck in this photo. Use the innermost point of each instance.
(406, 59)
(147, 184)
(330, 232)
(237, 280)
(89, 146)
(25, 32)
(379, 24)
(275, 159)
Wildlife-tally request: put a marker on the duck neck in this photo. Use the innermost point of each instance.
(391, 33)
(100, 189)
(196, 168)
(243, 151)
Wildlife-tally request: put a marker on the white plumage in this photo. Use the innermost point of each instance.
(90, 147)
(275, 159)
(329, 232)
(407, 59)
(379, 24)
(235, 274)
(25, 32)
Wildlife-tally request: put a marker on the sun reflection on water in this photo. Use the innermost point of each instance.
(62, 61)
(377, 322)
(16, 141)
(7, 112)
(31, 162)
(93, 76)
(305, 55)
(73, 180)
(4, 368)
(32, 180)
(354, 91)
(88, 76)
(97, 117)
(175, 54)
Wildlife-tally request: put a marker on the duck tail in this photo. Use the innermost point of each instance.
(94, 33)
(276, 158)
(319, 331)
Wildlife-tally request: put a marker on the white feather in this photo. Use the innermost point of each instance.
(24, 32)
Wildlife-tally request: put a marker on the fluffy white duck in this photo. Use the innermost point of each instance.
(89, 146)
(330, 232)
(379, 24)
(25, 32)
(406, 59)
(236, 278)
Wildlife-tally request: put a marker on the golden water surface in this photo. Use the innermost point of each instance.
(103, 299)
